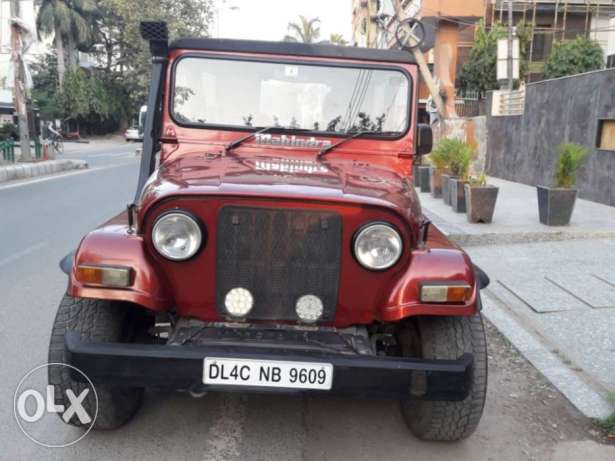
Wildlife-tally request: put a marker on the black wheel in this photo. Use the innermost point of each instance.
(446, 338)
(100, 321)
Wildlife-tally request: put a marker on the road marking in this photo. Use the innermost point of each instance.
(60, 175)
(22, 253)
(109, 155)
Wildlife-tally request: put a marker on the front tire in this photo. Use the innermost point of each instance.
(447, 338)
(98, 321)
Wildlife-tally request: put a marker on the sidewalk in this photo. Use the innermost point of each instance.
(552, 291)
(516, 219)
(17, 171)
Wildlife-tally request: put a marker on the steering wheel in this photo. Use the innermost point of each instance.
(410, 33)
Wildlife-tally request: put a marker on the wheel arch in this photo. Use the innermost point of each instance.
(114, 245)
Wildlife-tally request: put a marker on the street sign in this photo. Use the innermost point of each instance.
(502, 68)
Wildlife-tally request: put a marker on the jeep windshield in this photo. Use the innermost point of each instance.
(327, 99)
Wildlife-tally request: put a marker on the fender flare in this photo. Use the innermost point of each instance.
(66, 263)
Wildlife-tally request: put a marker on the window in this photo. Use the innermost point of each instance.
(320, 98)
(606, 134)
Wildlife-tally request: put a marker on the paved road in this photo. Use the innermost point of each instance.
(40, 221)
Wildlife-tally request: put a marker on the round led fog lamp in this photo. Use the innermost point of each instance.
(309, 308)
(378, 246)
(238, 302)
(177, 236)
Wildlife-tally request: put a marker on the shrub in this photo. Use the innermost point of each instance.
(479, 73)
(461, 156)
(570, 158)
(453, 154)
(574, 57)
(9, 131)
(478, 181)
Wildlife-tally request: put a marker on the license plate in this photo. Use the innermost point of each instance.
(267, 373)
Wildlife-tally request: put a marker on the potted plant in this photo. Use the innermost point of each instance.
(439, 158)
(415, 173)
(423, 175)
(446, 186)
(555, 204)
(480, 199)
(459, 164)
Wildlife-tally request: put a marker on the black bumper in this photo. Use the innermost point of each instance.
(174, 367)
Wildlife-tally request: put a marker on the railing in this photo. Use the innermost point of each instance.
(469, 104)
(7, 149)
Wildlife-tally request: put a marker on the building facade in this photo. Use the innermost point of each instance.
(450, 32)
(28, 11)
(556, 20)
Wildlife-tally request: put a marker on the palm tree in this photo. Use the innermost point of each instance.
(69, 21)
(337, 39)
(305, 30)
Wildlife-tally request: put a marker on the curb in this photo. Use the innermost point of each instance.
(462, 238)
(32, 170)
(578, 390)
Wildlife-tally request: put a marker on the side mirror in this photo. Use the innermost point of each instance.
(424, 139)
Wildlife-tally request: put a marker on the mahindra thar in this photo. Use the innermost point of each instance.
(276, 244)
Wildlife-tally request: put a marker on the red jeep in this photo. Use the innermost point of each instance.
(276, 243)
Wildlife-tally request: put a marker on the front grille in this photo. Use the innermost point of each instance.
(279, 255)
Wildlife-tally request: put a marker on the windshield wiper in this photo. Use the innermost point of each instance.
(232, 145)
(325, 150)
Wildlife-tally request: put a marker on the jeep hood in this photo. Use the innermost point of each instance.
(370, 182)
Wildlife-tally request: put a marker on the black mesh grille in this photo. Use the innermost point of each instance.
(154, 30)
(279, 255)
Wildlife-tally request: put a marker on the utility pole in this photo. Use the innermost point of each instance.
(420, 60)
(19, 84)
(510, 46)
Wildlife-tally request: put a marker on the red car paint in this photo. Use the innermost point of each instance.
(364, 180)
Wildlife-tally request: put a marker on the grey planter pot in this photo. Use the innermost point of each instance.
(480, 203)
(458, 194)
(424, 178)
(415, 175)
(555, 205)
(446, 188)
(435, 179)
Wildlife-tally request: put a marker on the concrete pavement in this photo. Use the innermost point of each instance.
(516, 219)
(553, 290)
(40, 221)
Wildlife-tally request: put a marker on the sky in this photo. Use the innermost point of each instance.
(268, 19)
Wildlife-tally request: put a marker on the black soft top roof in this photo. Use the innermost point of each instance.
(293, 49)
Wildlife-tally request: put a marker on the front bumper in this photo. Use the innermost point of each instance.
(180, 367)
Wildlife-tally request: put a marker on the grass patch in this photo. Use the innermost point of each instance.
(608, 424)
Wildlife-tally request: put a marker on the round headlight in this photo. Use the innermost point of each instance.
(377, 246)
(177, 236)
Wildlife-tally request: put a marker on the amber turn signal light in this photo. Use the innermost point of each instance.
(105, 276)
(444, 294)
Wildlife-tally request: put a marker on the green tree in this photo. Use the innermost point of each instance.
(574, 57)
(122, 52)
(70, 24)
(106, 97)
(480, 72)
(306, 30)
